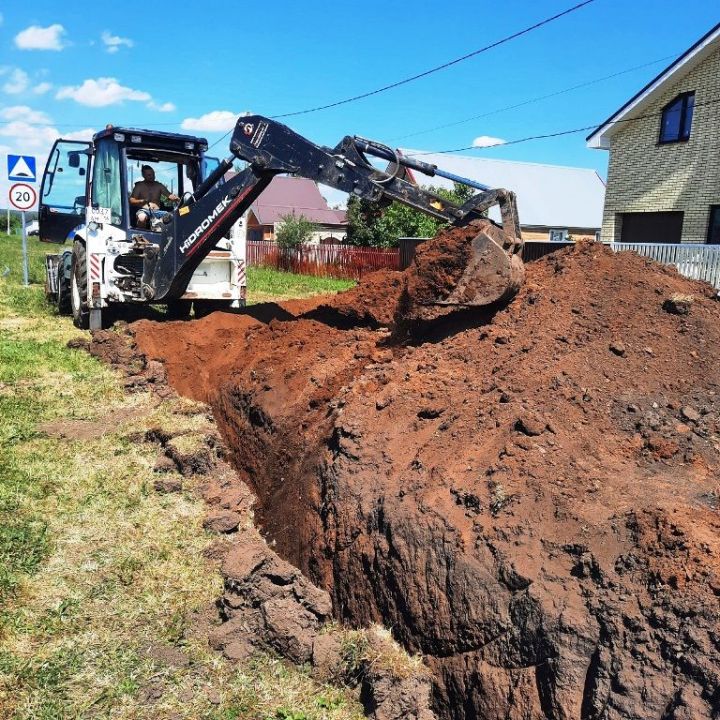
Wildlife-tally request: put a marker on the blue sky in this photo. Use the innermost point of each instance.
(71, 68)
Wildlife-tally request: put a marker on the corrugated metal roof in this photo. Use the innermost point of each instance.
(287, 195)
(549, 196)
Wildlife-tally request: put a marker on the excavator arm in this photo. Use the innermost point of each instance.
(271, 148)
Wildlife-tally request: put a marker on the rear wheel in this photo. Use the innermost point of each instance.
(78, 287)
(63, 300)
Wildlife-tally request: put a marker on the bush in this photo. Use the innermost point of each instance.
(294, 231)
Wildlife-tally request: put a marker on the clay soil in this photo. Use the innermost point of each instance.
(529, 496)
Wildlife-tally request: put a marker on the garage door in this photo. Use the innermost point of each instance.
(651, 227)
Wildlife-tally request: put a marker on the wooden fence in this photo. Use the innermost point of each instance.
(338, 261)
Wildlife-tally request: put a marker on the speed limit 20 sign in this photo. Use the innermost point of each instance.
(23, 196)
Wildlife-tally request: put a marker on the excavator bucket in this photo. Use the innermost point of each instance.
(462, 267)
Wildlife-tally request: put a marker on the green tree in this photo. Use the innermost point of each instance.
(371, 224)
(294, 231)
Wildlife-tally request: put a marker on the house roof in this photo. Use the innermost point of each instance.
(549, 196)
(287, 195)
(688, 61)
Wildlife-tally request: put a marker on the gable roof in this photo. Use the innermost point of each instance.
(549, 196)
(688, 61)
(287, 195)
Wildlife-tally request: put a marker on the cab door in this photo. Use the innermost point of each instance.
(64, 190)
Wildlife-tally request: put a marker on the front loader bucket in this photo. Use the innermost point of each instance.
(461, 268)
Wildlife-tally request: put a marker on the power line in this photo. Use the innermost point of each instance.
(412, 78)
(418, 76)
(534, 100)
(559, 133)
(444, 66)
(398, 137)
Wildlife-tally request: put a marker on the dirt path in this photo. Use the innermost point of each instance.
(528, 498)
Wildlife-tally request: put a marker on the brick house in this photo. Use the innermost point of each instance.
(663, 181)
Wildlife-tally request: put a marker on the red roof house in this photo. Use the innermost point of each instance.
(294, 196)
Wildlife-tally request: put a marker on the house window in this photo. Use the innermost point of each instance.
(713, 236)
(677, 119)
(558, 235)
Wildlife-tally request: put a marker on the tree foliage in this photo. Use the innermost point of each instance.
(370, 224)
(294, 231)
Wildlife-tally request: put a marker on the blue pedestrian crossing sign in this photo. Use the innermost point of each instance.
(21, 168)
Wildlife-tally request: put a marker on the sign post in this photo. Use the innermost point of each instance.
(23, 197)
(26, 268)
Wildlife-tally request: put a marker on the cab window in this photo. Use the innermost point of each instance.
(173, 175)
(107, 183)
(65, 180)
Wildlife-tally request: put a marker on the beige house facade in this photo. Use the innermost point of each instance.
(663, 182)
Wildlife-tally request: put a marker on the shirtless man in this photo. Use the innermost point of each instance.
(147, 194)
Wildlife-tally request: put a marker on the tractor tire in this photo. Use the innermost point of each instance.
(179, 309)
(78, 289)
(64, 288)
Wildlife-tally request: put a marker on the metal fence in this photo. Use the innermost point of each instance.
(697, 262)
(338, 261)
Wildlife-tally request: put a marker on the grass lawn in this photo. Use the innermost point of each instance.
(266, 284)
(96, 568)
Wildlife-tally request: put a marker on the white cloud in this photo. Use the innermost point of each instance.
(85, 134)
(17, 82)
(30, 139)
(114, 42)
(41, 38)
(215, 121)
(22, 135)
(25, 114)
(487, 141)
(42, 88)
(162, 107)
(102, 92)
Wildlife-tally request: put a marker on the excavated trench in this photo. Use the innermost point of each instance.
(529, 498)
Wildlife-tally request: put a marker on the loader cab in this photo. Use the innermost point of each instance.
(93, 181)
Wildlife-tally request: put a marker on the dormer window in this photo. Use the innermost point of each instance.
(677, 119)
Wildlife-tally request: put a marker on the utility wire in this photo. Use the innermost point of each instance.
(418, 76)
(444, 66)
(534, 100)
(559, 133)
(398, 137)
(431, 71)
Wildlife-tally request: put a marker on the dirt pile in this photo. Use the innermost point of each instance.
(528, 498)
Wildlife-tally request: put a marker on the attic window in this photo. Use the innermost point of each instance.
(677, 119)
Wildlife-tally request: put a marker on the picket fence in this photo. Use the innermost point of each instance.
(697, 262)
(338, 261)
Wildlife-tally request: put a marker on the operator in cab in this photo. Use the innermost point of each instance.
(147, 196)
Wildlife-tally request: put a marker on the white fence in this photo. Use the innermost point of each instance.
(697, 262)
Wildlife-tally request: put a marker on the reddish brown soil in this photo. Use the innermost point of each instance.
(529, 498)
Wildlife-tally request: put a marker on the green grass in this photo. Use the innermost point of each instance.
(267, 284)
(264, 284)
(94, 565)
